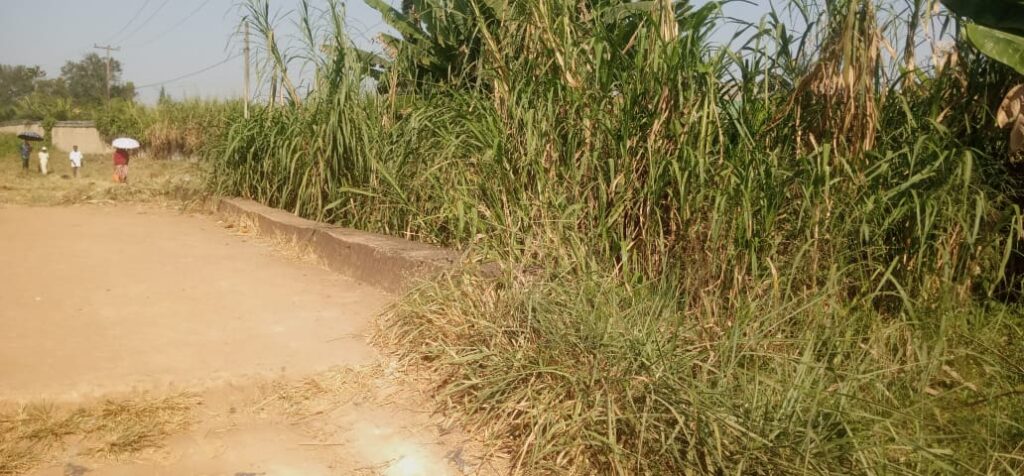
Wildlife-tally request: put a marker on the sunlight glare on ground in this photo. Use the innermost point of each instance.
(409, 465)
(412, 461)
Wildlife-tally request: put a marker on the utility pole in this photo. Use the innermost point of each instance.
(246, 103)
(109, 49)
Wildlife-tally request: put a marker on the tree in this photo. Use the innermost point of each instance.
(49, 100)
(87, 80)
(56, 87)
(124, 91)
(998, 32)
(164, 97)
(16, 82)
(41, 107)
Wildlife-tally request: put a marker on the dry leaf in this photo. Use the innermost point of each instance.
(1017, 135)
(1010, 109)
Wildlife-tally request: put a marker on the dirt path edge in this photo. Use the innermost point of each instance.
(385, 262)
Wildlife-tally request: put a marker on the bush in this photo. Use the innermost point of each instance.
(120, 118)
(169, 129)
(711, 262)
(9, 144)
(182, 128)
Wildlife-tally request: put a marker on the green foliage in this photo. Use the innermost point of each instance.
(589, 376)
(50, 99)
(998, 30)
(121, 118)
(9, 144)
(701, 261)
(1005, 15)
(258, 17)
(48, 124)
(1002, 46)
(439, 39)
(87, 80)
(81, 89)
(181, 128)
(171, 128)
(38, 106)
(16, 82)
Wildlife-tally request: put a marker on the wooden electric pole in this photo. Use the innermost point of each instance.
(109, 49)
(246, 103)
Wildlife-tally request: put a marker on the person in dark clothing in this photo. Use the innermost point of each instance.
(26, 152)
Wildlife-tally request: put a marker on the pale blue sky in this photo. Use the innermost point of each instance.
(164, 41)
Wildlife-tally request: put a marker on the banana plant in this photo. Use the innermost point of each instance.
(997, 30)
(1001, 45)
(439, 37)
(444, 39)
(1005, 15)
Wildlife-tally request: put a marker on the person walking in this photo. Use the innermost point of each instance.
(44, 160)
(26, 151)
(76, 160)
(121, 157)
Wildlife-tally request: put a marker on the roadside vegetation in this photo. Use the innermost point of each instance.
(27, 94)
(795, 253)
(177, 183)
(170, 129)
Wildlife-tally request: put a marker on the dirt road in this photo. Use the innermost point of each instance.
(107, 301)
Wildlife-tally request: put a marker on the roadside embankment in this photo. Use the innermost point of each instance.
(385, 262)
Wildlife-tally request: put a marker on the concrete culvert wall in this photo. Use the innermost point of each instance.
(64, 135)
(385, 262)
(17, 127)
(84, 135)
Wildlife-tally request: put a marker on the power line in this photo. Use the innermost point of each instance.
(189, 75)
(145, 22)
(126, 25)
(176, 25)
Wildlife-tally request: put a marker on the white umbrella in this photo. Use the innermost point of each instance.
(125, 143)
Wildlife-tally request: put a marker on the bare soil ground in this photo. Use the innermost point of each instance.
(108, 298)
(137, 340)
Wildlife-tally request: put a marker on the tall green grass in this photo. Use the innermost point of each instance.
(170, 128)
(714, 259)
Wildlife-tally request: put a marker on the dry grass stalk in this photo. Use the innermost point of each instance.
(319, 394)
(36, 433)
(838, 95)
(291, 248)
(1011, 113)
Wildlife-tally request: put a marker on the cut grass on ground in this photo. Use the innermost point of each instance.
(149, 179)
(33, 434)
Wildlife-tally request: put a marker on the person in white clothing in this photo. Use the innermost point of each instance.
(76, 160)
(44, 158)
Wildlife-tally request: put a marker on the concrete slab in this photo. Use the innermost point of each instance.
(385, 262)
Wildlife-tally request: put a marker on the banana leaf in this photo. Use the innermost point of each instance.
(1000, 14)
(1002, 46)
